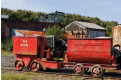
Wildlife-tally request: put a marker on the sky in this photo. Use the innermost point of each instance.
(106, 10)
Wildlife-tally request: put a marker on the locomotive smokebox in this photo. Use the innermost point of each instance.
(91, 50)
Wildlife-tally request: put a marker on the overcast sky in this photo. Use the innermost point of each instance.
(107, 10)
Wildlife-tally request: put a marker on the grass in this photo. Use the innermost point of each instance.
(21, 75)
(10, 75)
(13, 77)
(6, 53)
(18, 75)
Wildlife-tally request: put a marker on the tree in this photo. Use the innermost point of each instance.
(24, 15)
(56, 31)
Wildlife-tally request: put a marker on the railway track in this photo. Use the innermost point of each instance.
(8, 64)
(67, 72)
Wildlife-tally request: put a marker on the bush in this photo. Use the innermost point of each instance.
(56, 31)
(7, 45)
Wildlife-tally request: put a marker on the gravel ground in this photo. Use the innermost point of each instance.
(7, 62)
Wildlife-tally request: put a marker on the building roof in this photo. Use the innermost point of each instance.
(30, 33)
(4, 16)
(36, 33)
(78, 25)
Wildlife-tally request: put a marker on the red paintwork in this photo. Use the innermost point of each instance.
(66, 57)
(88, 52)
(19, 64)
(49, 54)
(28, 45)
(97, 50)
(109, 66)
(45, 63)
(29, 49)
(51, 64)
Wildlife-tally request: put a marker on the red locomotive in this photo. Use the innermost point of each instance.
(84, 54)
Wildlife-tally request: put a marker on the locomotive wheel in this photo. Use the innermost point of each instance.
(97, 71)
(19, 65)
(79, 69)
(35, 66)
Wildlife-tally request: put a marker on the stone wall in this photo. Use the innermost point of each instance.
(116, 32)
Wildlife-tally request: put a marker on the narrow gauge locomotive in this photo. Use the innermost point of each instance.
(95, 54)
